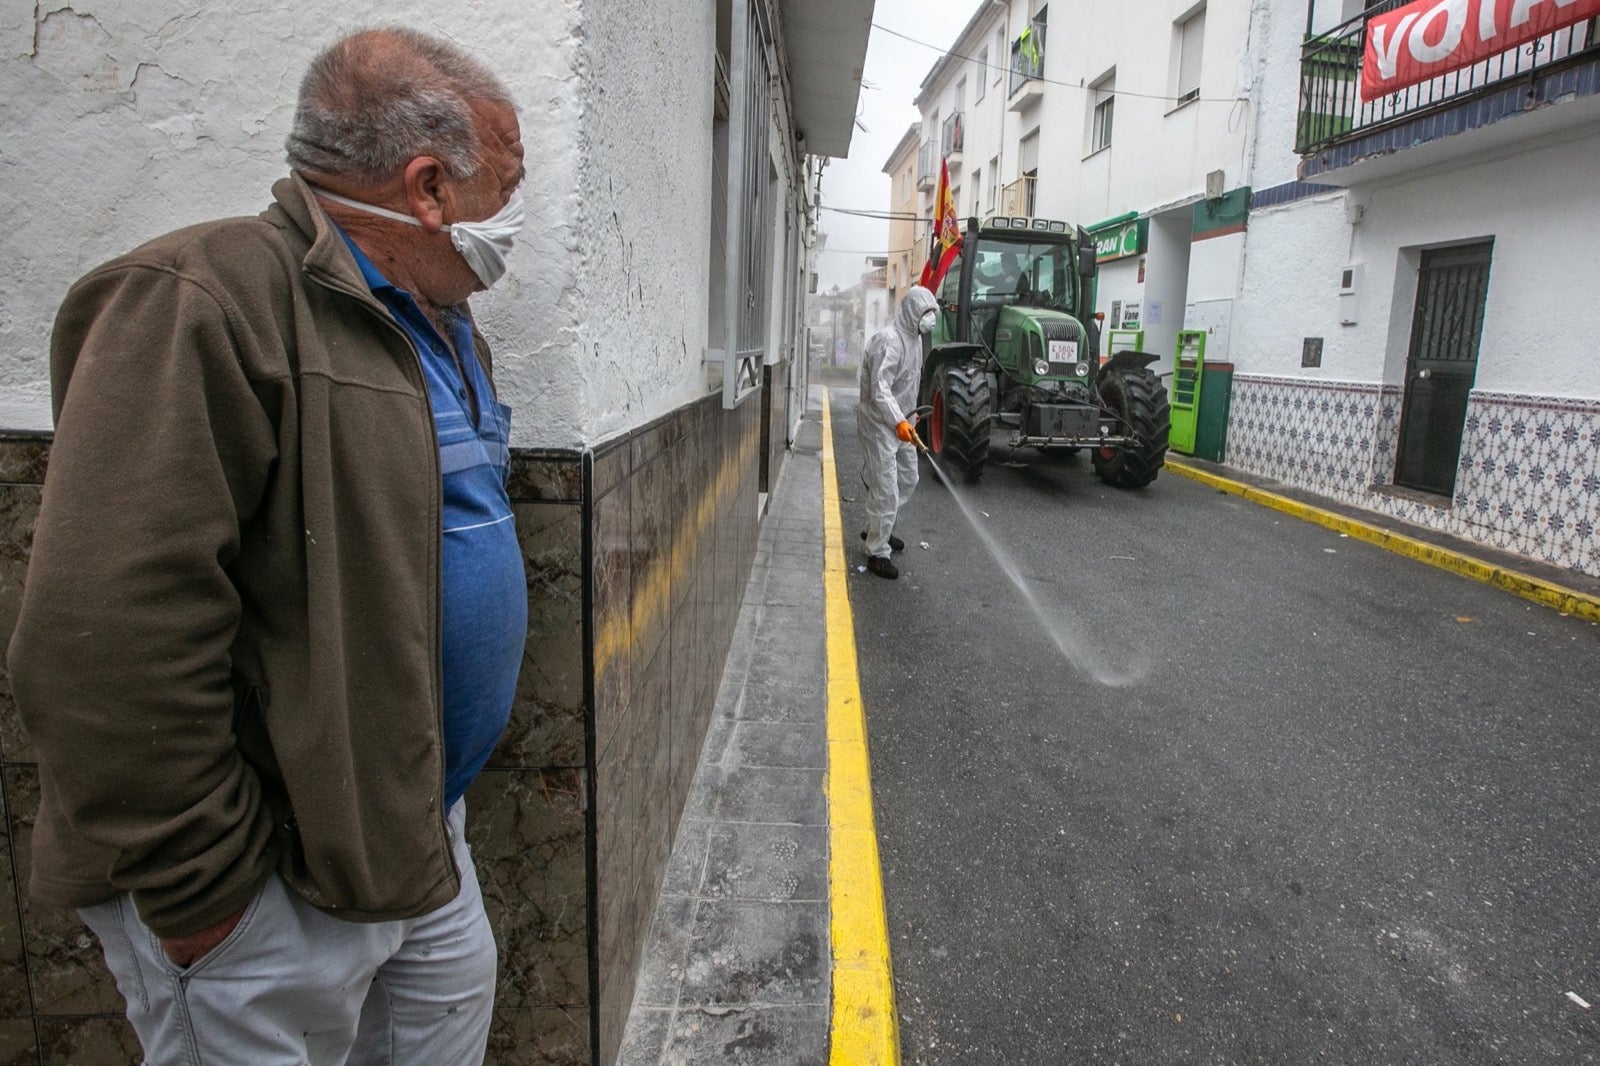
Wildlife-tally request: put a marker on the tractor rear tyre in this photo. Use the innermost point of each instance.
(1135, 396)
(962, 406)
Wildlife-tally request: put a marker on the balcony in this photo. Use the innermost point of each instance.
(1336, 127)
(952, 140)
(1018, 197)
(927, 167)
(1025, 85)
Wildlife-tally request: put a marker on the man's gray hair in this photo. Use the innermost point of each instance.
(375, 100)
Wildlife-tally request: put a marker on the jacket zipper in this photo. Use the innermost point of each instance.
(367, 301)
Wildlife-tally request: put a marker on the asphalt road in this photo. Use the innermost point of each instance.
(1348, 812)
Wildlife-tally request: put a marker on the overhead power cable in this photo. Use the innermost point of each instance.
(1052, 81)
(865, 213)
(858, 251)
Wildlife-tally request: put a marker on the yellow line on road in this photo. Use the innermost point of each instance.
(1568, 601)
(866, 1029)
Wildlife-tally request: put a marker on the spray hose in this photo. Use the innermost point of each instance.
(918, 415)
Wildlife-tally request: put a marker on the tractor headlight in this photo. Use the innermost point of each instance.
(1083, 370)
(1041, 367)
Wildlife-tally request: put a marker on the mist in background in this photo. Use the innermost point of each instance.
(894, 71)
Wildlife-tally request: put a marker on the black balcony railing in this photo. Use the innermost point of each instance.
(927, 166)
(1331, 108)
(953, 138)
(1027, 56)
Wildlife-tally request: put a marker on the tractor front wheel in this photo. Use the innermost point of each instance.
(962, 405)
(1135, 396)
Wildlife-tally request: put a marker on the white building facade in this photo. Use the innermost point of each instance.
(1398, 289)
(1417, 303)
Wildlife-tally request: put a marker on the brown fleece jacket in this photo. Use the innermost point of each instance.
(228, 651)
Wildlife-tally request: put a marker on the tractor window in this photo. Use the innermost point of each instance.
(950, 288)
(1033, 274)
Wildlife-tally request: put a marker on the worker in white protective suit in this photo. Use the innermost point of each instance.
(890, 374)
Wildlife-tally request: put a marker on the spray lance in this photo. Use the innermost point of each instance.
(917, 416)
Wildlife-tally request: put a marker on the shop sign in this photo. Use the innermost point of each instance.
(1427, 38)
(1119, 242)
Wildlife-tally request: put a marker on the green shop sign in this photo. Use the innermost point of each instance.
(1121, 240)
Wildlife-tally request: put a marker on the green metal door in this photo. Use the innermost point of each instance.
(1187, 372)
(1442, 366)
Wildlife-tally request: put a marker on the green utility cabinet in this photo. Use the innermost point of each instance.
(1201, 395)
(1188, 364)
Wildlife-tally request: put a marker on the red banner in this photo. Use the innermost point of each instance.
(1427, 38)
(946, 243)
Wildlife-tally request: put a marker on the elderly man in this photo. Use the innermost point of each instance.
(276, 605)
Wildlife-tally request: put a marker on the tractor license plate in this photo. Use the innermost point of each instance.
(1063, 351)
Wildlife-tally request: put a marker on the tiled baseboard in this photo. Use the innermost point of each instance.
(1528, 480)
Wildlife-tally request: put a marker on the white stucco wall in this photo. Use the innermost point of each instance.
(1158, 154)
(645, 210)
(1537, 202)
(1277, 35)
(125, 120)
(1290, 291)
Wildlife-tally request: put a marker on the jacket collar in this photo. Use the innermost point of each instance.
(327, 259)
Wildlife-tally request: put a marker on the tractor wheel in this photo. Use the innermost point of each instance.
(1135, 395)
(959, 433)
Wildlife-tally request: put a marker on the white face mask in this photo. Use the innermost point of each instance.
(484, 245)
(926, 322)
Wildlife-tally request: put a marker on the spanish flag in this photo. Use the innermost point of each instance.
(946, 243)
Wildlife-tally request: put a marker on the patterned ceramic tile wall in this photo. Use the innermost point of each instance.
(1318, 436)
(1528, 480)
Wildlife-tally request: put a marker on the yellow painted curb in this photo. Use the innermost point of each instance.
(1565, 600)
(865, 1029)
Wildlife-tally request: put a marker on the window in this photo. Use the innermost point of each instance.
(982, 78)
(1103, 100)
(1000, 52)
(1191, 42)
(977, 186)
(994, 182)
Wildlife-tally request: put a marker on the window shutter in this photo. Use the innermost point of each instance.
(1194, 39)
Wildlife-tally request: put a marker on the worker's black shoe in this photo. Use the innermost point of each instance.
(895, 543)
(880, 565)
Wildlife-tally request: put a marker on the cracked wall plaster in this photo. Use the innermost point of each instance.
(125, 120)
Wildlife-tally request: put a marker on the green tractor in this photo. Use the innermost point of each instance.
(1014, 359)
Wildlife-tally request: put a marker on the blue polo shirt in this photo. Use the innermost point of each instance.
(485, 592)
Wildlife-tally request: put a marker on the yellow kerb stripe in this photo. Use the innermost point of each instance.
(866, 1030)
(1568, 601)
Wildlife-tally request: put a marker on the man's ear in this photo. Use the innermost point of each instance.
(425, 192)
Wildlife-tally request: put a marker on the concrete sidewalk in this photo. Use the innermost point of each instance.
(738, 962)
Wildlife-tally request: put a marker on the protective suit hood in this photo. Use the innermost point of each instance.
(917, 302)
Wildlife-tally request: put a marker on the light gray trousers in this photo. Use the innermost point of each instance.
(293, 986)
(889, 467)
